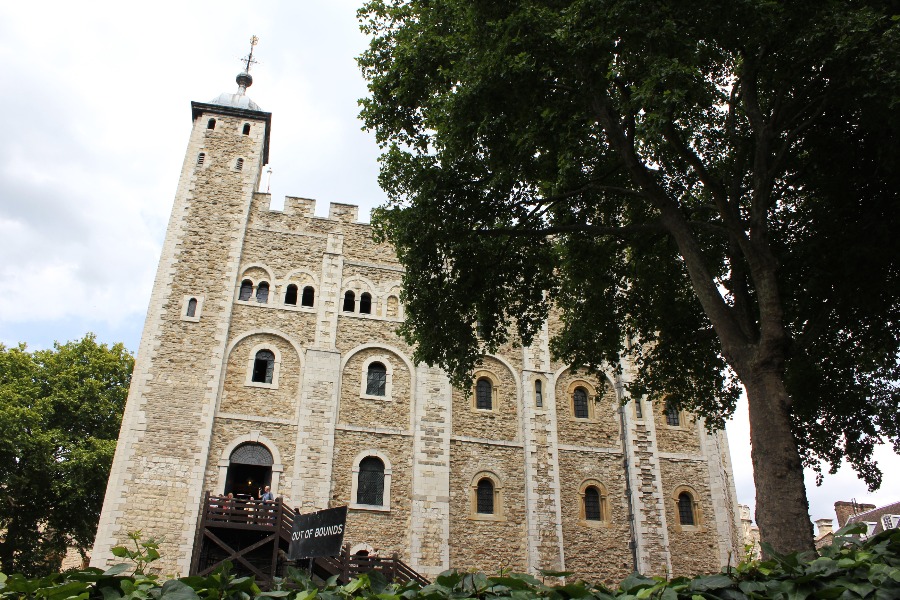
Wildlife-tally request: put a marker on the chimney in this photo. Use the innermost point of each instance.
(845, 510)
(824, 527)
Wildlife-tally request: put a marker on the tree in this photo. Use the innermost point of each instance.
(60, 412)
(710, 189)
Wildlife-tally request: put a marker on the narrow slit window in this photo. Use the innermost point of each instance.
(192, 307)
(246, 290)
(201, 158)
(239, 165)
(370, 485)
(365, 303)
(580, 403)
(290, 296)
(376, 379)
(538, 394)
(246, 128)
(263, 366)
(211, 124)
(309, 296)
(483, 394)
(349, 302)
(685, 509)
(262, 292)
(485, 497)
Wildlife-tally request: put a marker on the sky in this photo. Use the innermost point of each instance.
(96, 118)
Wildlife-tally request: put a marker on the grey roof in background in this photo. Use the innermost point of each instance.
(875, 515)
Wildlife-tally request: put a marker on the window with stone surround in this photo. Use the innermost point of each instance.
(486, 497)
(201, 158)
(371, 485)
(290, 295)
(239, 164)
(309, 296)
(538, 393)
(580, 397)
(192, 306)
(262, 292)
(211, 124)
(377, 378)
(673, 415)
(246, 129)
(594, 509)
(485, 391)
(246, 290)
(263, 366)
(365, 303)
(349, 301)
(687, 510)
(580, 407)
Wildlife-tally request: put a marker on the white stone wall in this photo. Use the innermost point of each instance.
(192, 403)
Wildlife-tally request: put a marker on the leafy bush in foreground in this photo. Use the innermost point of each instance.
(847, 570)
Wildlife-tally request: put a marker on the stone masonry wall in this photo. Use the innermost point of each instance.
(694, 549)
(499, 423)
(596, 550)
(357, 408)
(487, 543)
(386, 531)
(602, 426)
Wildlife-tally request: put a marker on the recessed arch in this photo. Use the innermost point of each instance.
(686, 504)
(254, 437)
(481, 483)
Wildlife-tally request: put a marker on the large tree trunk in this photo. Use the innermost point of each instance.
(782, 510)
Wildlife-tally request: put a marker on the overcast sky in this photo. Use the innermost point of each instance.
(96, 117)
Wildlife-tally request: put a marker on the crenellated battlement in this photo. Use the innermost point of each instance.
(305, 208)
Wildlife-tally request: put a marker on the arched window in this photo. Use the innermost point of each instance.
(365, 303)
(484, 497)
(200, 158)
(262, 292)
(309, 296)
(290, 296)
(484, 394)
(246, 290)
(538, 394)
(246, 128)
(673, 417)
(580, 403)
(252, 454)
(686, 509)
(239, 165)
(376, 379)
(349, 301)
(593, 510)
(211, 124)
(263, 366)
(370, 486)
(192, 307)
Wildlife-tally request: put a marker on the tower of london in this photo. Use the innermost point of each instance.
(270, 356)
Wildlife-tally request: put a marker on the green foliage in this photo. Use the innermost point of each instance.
(708, 188)
(847, 570)
(60, 412)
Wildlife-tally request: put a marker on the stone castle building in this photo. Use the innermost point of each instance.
(270, 356)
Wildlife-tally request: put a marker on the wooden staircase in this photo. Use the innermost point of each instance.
(255, 536)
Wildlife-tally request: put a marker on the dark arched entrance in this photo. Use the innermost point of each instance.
(249, 470)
